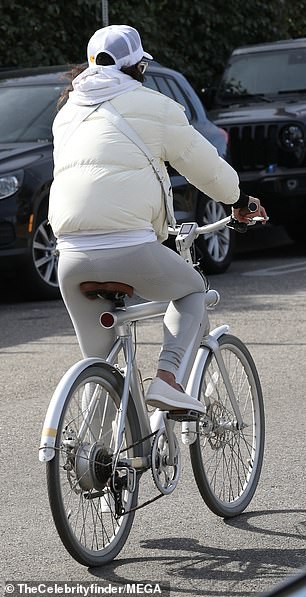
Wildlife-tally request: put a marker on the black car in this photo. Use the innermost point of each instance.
(261, 102)
(28, 101)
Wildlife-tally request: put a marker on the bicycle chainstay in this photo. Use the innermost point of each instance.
(157, 497)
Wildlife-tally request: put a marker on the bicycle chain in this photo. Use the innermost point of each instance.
(160, 495)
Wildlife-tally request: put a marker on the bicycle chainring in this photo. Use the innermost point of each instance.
(165, 475)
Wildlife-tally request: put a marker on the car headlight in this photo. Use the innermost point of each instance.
(292, 137)
(10, 183)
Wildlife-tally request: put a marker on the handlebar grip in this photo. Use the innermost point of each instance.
(238, 226)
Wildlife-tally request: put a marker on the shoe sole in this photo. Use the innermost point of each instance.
(181, 416)
(151, 401)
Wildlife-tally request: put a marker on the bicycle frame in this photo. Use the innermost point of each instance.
(189, 373)
(121, 322)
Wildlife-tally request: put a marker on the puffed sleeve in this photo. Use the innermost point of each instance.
(196, 158)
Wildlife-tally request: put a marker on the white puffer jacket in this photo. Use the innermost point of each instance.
(102, 181)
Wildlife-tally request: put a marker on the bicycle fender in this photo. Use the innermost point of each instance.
(194, 382)
(52, 419)
(207, 345)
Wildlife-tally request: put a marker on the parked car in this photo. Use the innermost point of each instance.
(27, 107)
(261, 102)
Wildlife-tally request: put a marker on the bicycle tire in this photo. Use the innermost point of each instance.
(227, 462)
(88, 528)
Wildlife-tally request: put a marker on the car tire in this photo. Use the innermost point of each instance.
(214, 251)
(40, 272)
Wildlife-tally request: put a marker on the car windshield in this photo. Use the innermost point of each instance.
(267, 72)
(27, 112)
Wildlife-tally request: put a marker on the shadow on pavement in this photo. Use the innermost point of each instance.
(201, 563)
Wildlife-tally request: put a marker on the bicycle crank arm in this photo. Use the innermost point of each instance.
(139, 463)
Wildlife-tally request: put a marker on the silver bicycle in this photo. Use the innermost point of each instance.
(99, 439)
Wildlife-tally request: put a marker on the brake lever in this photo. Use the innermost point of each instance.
(242, 227)
(238, 226)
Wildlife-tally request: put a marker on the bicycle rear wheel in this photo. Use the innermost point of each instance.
(79, 476)
(227, 461)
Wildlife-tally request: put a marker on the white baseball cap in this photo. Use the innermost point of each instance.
(121, 42)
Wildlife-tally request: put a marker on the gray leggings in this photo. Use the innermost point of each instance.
(156, 273)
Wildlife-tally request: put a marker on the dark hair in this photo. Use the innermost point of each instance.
(102, 59)
(133, 72)
(70, 75)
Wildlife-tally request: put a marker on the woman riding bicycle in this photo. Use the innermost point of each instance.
(107, 207)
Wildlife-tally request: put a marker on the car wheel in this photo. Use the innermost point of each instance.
(41, 270)
(215, 250)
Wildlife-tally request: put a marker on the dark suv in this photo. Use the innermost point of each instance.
(261, 102)
(27, 108)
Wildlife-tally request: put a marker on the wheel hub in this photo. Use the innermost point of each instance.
(221, 431)
(93, 465)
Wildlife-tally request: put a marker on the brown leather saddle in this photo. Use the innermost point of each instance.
(112, 291)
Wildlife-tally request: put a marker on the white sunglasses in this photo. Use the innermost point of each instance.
(142, 66)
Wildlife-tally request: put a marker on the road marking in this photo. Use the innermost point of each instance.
(278, 270)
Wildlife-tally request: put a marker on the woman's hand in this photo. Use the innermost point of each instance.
(243, 214)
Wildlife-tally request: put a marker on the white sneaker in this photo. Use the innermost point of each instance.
(163, 396)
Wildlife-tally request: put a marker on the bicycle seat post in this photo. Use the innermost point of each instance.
(124, 333)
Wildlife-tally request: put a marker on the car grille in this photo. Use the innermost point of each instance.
(257, 147)
(7, 233)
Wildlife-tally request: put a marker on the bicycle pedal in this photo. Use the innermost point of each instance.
(183, 415)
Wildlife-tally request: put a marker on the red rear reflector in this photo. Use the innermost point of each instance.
(107, 320)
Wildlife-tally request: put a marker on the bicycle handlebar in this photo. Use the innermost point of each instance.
(213, 226)
(201, 229)
(208, 228)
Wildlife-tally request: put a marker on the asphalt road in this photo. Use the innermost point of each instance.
(176, 539)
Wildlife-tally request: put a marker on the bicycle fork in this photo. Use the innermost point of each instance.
(210, 344)
(214, 345)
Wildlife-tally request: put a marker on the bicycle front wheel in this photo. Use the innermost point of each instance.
(226, 460)
(79, 476)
